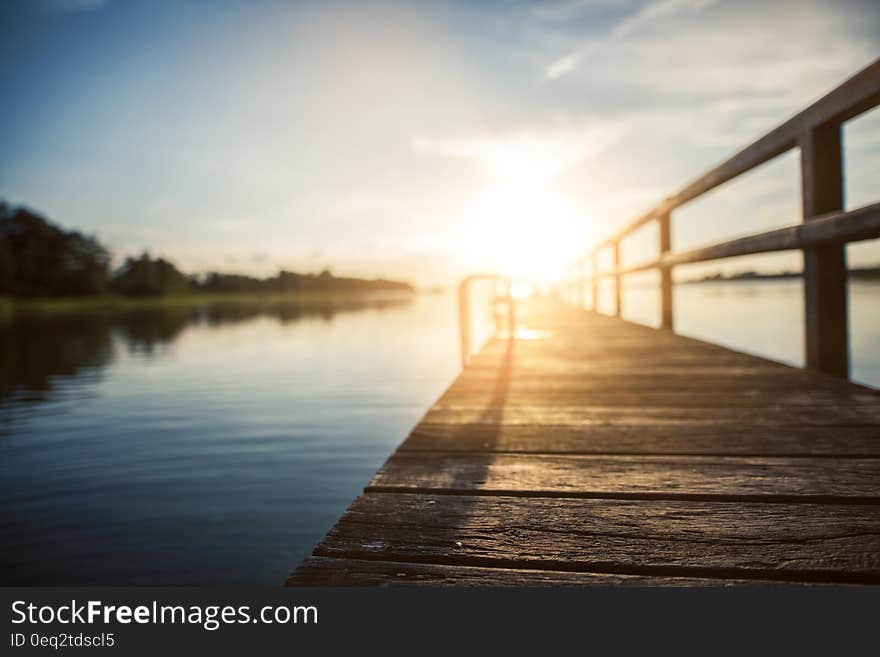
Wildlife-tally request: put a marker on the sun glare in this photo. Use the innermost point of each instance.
(521, 290)
(523, 225)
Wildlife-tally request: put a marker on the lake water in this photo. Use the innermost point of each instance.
(203, 446)
(762, 317)
(217, 445)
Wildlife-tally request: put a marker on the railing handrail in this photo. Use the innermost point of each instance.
(822, 236)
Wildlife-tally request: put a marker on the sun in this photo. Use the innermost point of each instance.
(523, 227)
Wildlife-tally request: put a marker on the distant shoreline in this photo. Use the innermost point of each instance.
(859, 273)
(10, 306)
(42, 260)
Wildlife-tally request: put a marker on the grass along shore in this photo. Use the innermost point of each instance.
(9, 307)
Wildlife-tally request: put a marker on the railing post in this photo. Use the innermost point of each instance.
(825, 289)
(615, 251)
(665, 224)
(464, 322)
(511, 316)
(594, 263)
(581, 286)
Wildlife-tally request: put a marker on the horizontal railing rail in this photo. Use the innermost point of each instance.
(822, 236)
(834, 228)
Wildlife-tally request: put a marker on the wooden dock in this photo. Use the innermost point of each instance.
(591, 450)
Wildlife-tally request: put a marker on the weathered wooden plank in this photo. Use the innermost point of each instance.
(556, 349)
(555, 334)
(622, 366)
(635, 477)
(631, 369)
(323, 571)
(615, 382)
(536, 358)
(609, 358)
(736, 440)
(556, 396)
(801, 542)
(862, 414)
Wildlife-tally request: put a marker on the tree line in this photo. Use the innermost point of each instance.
(40, 259)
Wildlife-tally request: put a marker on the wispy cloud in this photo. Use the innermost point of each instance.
(568, 10)
(656, 10)
(547, 153)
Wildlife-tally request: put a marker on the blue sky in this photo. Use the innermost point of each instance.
(413, 139)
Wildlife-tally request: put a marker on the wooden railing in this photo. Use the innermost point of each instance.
(497, 300)
(823, 235)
